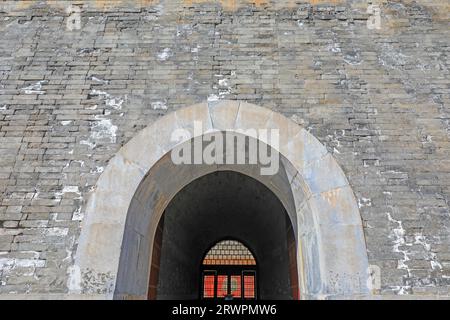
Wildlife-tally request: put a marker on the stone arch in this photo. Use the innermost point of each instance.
(331, 250)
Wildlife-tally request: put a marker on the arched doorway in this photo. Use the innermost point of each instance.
(223, 205)
(121, 220)
(229, 271)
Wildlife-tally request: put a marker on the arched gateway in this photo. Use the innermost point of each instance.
(303, 220)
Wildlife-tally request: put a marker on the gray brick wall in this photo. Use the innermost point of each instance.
(377, 98)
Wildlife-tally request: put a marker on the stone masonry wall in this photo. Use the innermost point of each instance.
(373, 89)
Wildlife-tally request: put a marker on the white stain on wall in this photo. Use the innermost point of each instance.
(24, 266)
(165, 54)
(102, 131)
(35, 88)
(77, 215)
(110, 100)
(73, 21)
(159, 105)
(374, 21)
(398, 237)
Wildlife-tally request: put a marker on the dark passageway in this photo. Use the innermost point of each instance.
(223, 205)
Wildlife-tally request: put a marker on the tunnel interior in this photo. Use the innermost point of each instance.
(223, 205)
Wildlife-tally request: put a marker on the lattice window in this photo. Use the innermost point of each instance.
(208, 286)
(229, 252)
(249, 286)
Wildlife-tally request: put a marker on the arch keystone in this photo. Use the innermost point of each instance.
(223, 114)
